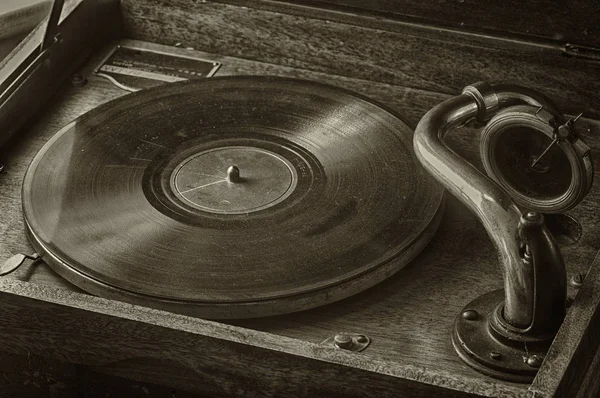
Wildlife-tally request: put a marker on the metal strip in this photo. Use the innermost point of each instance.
(140, 73)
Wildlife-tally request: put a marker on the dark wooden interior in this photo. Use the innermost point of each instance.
(565, 22)
(406, 55)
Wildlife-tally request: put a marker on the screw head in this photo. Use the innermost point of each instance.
(563, 131)
(532, 216)
(78, 80)
(470, 315)
(495, 355)
(577, 280)
(534, 361)
(361, 339)
(343, 341)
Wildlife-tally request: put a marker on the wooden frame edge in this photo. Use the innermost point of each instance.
(80, 26)
(134, 341)
(575, 344)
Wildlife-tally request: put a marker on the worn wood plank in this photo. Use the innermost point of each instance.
(405, 54)
(560, 21)
(34, 376)
(224, 359)
(576, 343)
(590, 387)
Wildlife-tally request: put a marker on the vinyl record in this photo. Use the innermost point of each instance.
(231, 197)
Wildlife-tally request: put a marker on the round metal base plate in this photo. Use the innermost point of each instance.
(476, 344)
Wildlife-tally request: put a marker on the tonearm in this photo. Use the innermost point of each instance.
(506, 334)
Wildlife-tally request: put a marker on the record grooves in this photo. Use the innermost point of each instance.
(231, 197)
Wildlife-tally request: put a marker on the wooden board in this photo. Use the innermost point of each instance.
(543, 19)
(34, 376)
(203, 356)
(377, 49)
(575, 345)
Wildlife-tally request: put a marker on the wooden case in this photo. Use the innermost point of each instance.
(406, 55)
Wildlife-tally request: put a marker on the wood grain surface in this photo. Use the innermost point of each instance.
(575, 346)
(590, 387)
(207, 356)
(33, 376)
(560, 21)
(408, 317)
(365, 47)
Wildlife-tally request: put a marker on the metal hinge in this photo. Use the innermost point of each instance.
(584, 52)
(31, 61)
(52, 26)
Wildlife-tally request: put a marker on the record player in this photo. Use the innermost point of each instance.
(320, 199)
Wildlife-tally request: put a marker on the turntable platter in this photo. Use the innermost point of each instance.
(231, 197)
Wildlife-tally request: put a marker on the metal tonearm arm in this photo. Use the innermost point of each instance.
(534, 271)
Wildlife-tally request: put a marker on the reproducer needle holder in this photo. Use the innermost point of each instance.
(535, 164)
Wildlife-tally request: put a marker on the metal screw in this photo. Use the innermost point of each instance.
(495, 355)
(78, 80)
(532, 216)
(2, 169)
(342, 341)
(470, 315)
(577, 280)
(534, 361)
(361, 339)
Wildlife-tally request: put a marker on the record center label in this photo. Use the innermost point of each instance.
(265, 179)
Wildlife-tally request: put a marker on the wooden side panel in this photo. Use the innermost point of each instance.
(365, 48)
(33, 376)
(591, 384)
(197, 355)
(575, 345)
(566, 21)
